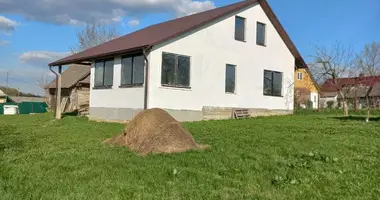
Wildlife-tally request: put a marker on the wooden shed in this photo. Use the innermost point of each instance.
(75, 93)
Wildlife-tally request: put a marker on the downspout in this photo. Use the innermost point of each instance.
(146, 77)
(56, 83)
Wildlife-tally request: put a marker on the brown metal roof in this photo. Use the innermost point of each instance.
(158, 33)
(72, 75)
(375, 92)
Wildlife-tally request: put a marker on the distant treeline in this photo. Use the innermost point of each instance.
(15, 92)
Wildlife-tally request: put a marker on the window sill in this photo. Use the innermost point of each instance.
(263, 45)
(101, 87)
(131, 85)
(241, 40)
(170, 87)
(231, 93)
(269, 95)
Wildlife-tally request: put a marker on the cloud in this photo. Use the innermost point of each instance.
(104, 11)
(41, 58)
(4, 42)
(133, 22)
(6, 25)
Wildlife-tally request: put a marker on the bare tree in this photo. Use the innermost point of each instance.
(368, 63)
(331, 65)
(94, 34)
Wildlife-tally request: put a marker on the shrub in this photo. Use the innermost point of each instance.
(330, 104)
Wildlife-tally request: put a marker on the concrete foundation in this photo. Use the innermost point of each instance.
(123, 115)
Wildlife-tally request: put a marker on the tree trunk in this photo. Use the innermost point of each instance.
(345, 108)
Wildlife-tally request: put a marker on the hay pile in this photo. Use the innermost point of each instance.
(155, 131)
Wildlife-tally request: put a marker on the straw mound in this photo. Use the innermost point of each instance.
(155, 131)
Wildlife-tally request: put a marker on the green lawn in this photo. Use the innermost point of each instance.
(289, 157)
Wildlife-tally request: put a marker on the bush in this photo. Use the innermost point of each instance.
(330, 104)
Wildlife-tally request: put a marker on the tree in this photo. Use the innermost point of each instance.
(368, 63)
(331, 65)
(94, 34)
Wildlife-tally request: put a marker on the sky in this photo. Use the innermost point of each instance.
(34, 34)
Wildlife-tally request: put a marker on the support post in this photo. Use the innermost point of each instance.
(58, 94)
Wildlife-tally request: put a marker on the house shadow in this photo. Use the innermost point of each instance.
(357, 118)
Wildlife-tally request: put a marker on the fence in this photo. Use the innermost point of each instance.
(27, 107)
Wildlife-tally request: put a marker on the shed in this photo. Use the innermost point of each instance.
(75, 94)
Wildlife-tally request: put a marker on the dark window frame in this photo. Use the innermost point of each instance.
(264, 43)
(244, 28)
(132, 84)
(299, 76)
(176, 68)
(103, 86)
(225, 83)
(272, 93)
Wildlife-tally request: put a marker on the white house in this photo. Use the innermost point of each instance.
(196, 67)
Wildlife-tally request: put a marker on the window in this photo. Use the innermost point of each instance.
(239, 28)
(230, 79)
(104, 73)
(175, 71)
(299, 75)
(260, 34)
(132, 70)
(272, 83)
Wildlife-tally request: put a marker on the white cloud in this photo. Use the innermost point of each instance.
(7, 25)
(4, 42)
(83, 11)
(41, 58)
(133, 22)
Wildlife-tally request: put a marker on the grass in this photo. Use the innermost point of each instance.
(288, 157)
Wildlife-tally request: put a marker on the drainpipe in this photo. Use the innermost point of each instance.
(146, 77)
(56, 83)
(58, 92)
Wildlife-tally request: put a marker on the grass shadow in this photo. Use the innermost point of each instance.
(357, 118)
(70, 114)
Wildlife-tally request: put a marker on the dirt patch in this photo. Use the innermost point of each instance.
(155, 131)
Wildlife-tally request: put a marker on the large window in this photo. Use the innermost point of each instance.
(239, 28)
(175, 71)
(104, 73)
(132, 70)
(272, 83)
(260, 34)
(230, 79)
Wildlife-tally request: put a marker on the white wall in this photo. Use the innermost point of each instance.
(116, 97)
(314, 96)
(210, 50)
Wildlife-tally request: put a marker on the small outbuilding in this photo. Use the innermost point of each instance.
(75, 94)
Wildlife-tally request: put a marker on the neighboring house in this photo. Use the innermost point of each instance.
(75, 94)
(197, 67)
(355, 89)
(3, 97)
(21, 99)
(375, 95)
(305, 86)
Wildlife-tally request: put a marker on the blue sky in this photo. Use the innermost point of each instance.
(38, 36)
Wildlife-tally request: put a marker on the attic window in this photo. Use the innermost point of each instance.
(260, 34)
(240, 28)
(299, 76)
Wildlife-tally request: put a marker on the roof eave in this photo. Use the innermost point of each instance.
(63, 61)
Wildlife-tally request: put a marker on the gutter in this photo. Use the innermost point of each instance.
(145, 53)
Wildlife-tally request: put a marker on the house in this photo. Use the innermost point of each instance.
(3, 97)
(355, 90)
(75, 89)
(196, 67)
(306, 88)
(374, 95)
